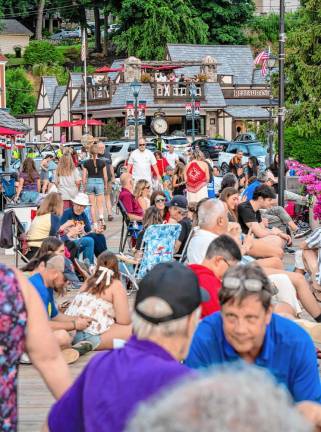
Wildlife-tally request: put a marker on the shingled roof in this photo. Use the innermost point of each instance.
(13, 27)
(10, 122)
(236, 60)
(242, 112)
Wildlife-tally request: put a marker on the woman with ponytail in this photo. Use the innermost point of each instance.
(104, 299)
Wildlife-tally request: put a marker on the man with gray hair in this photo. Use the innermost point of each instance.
(107, 392)
(212, 222)
(247, 330)
(227, 400)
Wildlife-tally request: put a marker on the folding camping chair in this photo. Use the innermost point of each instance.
(157, 246)
(129, 229)
(13, 236)
(8, 187)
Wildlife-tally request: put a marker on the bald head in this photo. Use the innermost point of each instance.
(126, 181)
(101, 147)
(212, 216)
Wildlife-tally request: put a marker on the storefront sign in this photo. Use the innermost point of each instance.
(130, 113)
(189, 109)
(249, 93)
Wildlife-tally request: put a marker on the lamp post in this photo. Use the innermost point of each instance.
(270, 64)
(281, 109)
(135, 88)
(193, 91)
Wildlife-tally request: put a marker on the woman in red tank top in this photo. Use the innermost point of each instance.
(196, 177)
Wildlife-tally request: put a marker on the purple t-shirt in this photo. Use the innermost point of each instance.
(111, 386)
(29, 185)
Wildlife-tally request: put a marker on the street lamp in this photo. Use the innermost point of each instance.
(193, 92)
(281, 109)
(270, 64)
(135, 88)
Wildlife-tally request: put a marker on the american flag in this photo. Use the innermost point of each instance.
(261, 59)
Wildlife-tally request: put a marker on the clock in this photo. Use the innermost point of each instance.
(159, 125)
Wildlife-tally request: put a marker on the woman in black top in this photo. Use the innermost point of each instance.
(274, 169)
(95, 182)
(179, 185)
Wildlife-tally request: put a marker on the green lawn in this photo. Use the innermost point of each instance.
(13, 61)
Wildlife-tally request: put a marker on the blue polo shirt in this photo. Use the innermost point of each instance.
(69, 214)
(288, 353)
(109, 389)
(45, 293)
(249, 191)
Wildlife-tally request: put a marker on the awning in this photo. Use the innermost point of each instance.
(250, 112)
(6, 131)
(106, 69)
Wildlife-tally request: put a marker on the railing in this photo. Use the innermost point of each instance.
(177, 90)
(96, 93)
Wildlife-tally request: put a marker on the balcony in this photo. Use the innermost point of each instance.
(96, 94)
(177, 91)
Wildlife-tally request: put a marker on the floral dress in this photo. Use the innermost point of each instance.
(13, 318)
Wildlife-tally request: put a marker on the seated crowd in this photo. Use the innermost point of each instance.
(222, 296)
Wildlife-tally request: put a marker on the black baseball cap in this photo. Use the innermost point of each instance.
(174, 283)
(179, 201)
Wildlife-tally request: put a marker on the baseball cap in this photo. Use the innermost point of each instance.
(81, 199)
(56, 262)
(174, 283)
(179, 201)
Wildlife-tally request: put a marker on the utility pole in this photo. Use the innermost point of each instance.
(281, 110)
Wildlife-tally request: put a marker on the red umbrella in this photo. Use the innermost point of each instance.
(64, 123)
(106, 69)
(6, 131)
(90, 122)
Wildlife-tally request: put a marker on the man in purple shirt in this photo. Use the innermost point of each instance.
(132, 207)
(106, 394)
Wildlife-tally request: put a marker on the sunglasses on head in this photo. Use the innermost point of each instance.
(160, 200)
(252, 285)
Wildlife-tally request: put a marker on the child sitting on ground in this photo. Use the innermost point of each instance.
(104, 299)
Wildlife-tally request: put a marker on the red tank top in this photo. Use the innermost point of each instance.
(195, 177)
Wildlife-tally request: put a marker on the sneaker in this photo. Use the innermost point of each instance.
(24, 359)
(83, 347)
(289, 250)
(70, 355)
(301, 232)
(110, 218)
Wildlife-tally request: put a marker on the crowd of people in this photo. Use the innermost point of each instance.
(220, 297)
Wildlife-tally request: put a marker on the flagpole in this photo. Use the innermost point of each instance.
(84, 55)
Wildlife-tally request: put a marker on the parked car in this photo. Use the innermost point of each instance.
(74, 145)
(180, 143)
(65, 34)
(211, 147)
(120, 151)
(246, 137)
(249, 149)
(113, 28)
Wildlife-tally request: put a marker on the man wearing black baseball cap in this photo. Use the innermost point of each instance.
(113, 383)
(178, 213)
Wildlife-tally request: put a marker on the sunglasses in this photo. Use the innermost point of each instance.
(147, 187)
(252, 285)
(141, 145)
(160, 200)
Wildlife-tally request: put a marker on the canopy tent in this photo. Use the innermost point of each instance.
(6, 131)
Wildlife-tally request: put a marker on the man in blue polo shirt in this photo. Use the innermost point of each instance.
(246, 329)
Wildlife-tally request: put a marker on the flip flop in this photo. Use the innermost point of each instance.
(70, 355)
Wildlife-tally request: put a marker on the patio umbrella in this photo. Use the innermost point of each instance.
(64, 123)
(106, 69)
(7, 131)
(90, 122)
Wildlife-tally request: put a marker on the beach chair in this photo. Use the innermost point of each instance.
(8, 189)
(157, 246)
(129, 229)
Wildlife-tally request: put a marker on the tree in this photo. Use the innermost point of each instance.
(20, 93)
(41, 6)
(303, 71)
(148, 25)
(42, 52)
(226, 19)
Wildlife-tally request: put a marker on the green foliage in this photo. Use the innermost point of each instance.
(305, 150)
(226, 19)
(148, 25)
(42, 51)
(303, 73)
(42, 69)
(112, 130)
(20, 97)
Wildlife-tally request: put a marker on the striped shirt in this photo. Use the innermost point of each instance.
(314, 242)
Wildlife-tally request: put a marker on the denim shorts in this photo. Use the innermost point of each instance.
(95, 186)
(29, 196)
(84, 336)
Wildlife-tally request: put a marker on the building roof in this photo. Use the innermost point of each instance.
(250, 112)
(10, 122)
(50, 84)
(13, 27)
(76, 79)
(116, 64)
(236, 60)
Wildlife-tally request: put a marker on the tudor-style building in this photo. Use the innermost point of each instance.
(231, 92)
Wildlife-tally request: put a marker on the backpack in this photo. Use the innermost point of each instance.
(7, 230)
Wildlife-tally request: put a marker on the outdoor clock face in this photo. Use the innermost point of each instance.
(159, 125)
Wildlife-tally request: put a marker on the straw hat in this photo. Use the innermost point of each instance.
(81, 199)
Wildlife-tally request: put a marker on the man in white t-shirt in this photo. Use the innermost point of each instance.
(48, 136)
(212, 221)
(171, 156)
(140, 163)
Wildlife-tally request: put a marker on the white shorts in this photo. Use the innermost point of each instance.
(197, 196)
(286, 292)
(298, 260)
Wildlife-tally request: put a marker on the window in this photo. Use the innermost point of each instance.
(114, 148)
